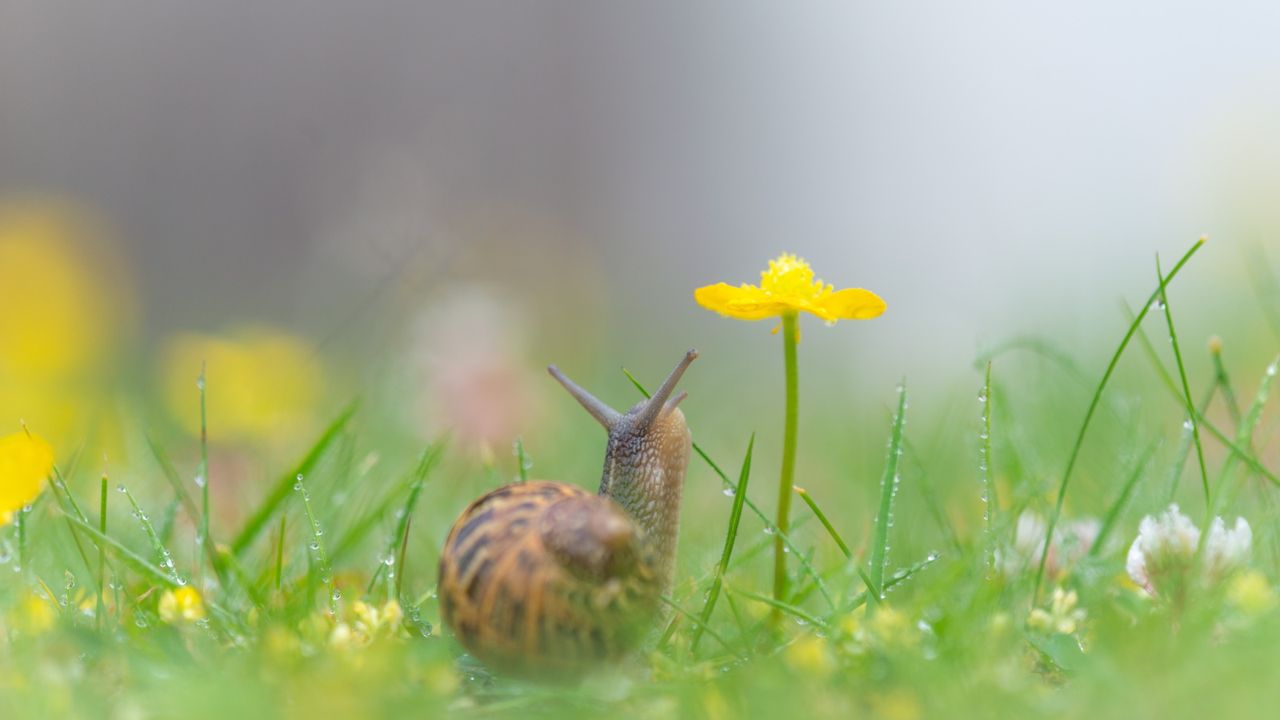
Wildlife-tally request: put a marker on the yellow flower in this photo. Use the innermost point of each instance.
(1251, 593)
(35, 614)
(261, 383)
(788, 286)
(181, 605)
(810, 656)
(67, 306)
(25, 461)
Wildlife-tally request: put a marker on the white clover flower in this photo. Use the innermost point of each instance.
(1071, 542)
(1225, 550)
(1163, 556)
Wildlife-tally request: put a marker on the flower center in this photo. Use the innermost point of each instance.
(791, 276)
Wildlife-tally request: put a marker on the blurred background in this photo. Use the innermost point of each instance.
(423, 204)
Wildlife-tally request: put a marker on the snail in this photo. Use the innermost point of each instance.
(545, 578)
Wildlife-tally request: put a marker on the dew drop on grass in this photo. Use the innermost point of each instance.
(768, 530)
(1272, 369)
(1188, 425)
(728, 492)
(120, 488)
(199, 480)
(315, 546)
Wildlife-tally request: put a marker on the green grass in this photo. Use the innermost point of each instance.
(897, 605)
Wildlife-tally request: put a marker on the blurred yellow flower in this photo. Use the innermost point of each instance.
(67, 303)
(260, 382)
(181, 605)
(788, 286)
(810, 655)
(25, 462)
(35, 614)
(1252, 593)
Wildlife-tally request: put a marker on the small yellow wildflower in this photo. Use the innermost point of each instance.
(181, 605)
(25, 461)
(788, 286)
(811, 656)
(1251, 593)
(1062, 617)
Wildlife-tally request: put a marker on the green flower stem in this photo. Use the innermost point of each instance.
(790, 335)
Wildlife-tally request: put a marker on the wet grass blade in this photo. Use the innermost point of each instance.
(284, 486)
(129, 557)
(166, 559)
(989, 500)
(1192, 414)
(426, 461)
(731, 536)
(1093, 407)
(786, 608)
(822, 518)
(888, 489)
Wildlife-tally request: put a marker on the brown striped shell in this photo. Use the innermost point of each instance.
(543, 578)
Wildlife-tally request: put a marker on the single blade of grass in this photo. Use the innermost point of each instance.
(822, 518)
(731, 536)
(102, 555)
(888, 489)
(202, 475)
(1186, 387)
(1223, 381)
(284, 486)
(786, 608)
(166, 559)
(422, 470)
(1113, 513)
(317, 545)
(1248, 423)
(989, 500)
(280, 552)
(1093, 406)
(523, 463)
(129, 557)
(769, 527)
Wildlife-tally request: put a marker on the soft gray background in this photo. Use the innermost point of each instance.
(988, 167)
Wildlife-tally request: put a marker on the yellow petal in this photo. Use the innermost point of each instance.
(851, 304)
(743, 303)
(25, 461)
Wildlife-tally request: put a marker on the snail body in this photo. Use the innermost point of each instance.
(543, 578)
